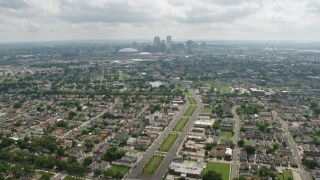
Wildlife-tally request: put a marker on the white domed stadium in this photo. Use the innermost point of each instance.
(128, 50)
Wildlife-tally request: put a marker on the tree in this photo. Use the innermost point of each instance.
(87, 161)
(97, 172)
(61, 123)
(250, 149)
(210, 175)
(6, 142)
(113, 154)
(241, 143)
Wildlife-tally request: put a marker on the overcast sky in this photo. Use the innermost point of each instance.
(42, 20)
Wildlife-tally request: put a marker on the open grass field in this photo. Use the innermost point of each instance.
(227, 134)
(219, 86)
(152, 165)
(207, 109)
(222, 168)
(192, 101)
(285, 176)
(190, 110)
(168, 142)
(180, 125)
(115, 169)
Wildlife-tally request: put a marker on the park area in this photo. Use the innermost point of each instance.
(152, 165)
(222, 168)
(219, 86)
(180, 125)
(168, 142)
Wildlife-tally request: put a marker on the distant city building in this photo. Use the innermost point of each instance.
(157, 44)
(190, 46)
(169, 41)
(163, 46)
(135, 45)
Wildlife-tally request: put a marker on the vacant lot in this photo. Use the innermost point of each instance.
(286, 175)
(180, 125)
(115, 170)
(207, 109)
(152, 165)
(168, 142)
(227, 134)
(223, 169)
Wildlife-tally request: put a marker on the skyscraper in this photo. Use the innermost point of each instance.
(169, 41)
(157, 43)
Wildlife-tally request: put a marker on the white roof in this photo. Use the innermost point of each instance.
(128, 50)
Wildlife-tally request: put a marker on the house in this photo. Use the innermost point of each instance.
(131, 141)
(226, 126)
(128, 160)
(251, 158)
(244, 167)
(103, 165)
(243, 156)
(77, 151)
(316, 174)
(143, 143)
(254, 168)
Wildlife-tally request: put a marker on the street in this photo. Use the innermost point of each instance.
(236, 152)
(135, 172)
(305, 175)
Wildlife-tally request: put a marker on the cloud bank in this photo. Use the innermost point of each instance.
(38, 20)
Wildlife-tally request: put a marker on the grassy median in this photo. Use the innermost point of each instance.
(152, 165)
(168, 142)
(180, 125)
(190, 110)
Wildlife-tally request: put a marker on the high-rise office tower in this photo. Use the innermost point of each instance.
(169, 41)
(135, 45)
(157, 43)
(163, 46)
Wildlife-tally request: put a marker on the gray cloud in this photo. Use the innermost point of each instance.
(13, 4)
(22, 20)
(115, 12)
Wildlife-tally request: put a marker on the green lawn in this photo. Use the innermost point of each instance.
(222, 168)
(188, 94)
(152, 165)
(115, 169)
(135, 77)
(168, 142)
(286, 174)
(221, 87)
(226, 134)
(180, 125)
(247, 143)
(207, 109)
(190, 110)
(192, 101)
(121, 76)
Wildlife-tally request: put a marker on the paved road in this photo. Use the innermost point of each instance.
(135, 172)
(236, 152)
(305, 175)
